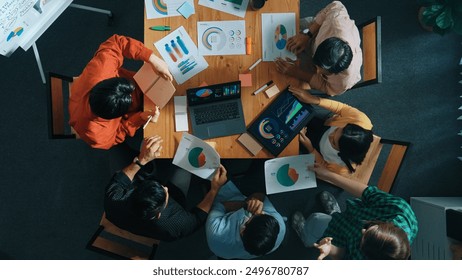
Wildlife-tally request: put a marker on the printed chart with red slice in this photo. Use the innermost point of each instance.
(287, 176)
(196, 157)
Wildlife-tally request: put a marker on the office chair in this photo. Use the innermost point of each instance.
(371, 45)
(394, 158)
(121, 244)
(59, 92)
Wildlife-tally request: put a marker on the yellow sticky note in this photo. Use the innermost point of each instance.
(246, 80)
(272, 91)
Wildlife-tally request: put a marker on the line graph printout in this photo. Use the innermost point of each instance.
(277, 28)
(234, 7)
(221, 37)
(289, 174)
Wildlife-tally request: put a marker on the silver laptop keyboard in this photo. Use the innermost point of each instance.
(215, 113)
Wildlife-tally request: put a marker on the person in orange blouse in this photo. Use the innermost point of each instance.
(344, 138)
(106, 104)
(332, 56)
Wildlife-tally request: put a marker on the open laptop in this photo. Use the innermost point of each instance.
(280, 122)
(216, 110)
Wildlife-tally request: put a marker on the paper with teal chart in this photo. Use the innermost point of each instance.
(289, 174)
(277, 28)
(181, 55)
(221, 37)
(196, 156)
(234, 7)
(164, 8)
(23, 21)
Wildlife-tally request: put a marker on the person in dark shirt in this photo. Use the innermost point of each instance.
(143, 206)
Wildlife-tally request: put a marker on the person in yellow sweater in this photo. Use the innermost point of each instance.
(341, 142)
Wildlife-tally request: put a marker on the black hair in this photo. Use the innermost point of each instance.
(333, 55)
(111, 98)
(148, 199)
(354, 144)
(386, 241)
(260, 234)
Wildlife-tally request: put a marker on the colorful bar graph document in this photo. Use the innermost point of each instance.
(181, 54)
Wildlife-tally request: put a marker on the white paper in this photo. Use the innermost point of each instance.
(22, 22)
(181, 113)
(289, 174)
(277, 28)
(196, 156)
(181, 54)
(221, 37)
(234, 7)
(164, 8)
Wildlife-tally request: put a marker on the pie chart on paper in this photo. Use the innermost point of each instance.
(196, 157)
(280, 36)
(287, 176)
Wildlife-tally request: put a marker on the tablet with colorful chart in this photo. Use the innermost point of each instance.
(165, 8)
(277, 28)
(221, 37)
(181, 54)
(287, 174)
(196, 156)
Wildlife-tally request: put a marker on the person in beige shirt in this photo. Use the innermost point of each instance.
(329, 51)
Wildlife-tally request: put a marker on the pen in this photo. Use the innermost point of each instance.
(263, 87)
(146, 124)
(255, 64)
(160, 28)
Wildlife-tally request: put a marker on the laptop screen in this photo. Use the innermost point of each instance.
(213, 93)
(280, 122)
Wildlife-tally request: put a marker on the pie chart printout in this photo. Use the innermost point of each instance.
(287, 176)
(196, 157)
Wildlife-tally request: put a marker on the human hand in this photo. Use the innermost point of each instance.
(297, 43)
(219, 179)
(150, 114)
(324, 246)
(322, 172)
(287, 66)
(254, 205)
(160, 67)
(305, 140)
(150, 149)
(304, 95)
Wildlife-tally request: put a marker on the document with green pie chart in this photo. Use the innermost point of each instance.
(196, 156)
(289, 174)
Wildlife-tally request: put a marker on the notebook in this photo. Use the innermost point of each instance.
(216, 110)
(158, 89)
(280, 122)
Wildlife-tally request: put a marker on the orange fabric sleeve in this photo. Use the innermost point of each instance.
(107, 63)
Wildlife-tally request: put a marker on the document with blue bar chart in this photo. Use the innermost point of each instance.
(181, 55)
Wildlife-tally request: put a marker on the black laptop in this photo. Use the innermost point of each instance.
(280, 122)
(216, 110)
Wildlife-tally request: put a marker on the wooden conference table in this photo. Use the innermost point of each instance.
(222, 69)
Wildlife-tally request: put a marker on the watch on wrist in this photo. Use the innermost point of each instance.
(307, 32)
(136, 160)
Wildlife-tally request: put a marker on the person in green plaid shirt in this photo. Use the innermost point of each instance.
(375, 225)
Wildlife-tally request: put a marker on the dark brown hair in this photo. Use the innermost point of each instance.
(384, 241)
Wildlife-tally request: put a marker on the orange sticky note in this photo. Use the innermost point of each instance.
(246, 80)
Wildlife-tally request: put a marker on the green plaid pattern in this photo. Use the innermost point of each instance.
(345, 228)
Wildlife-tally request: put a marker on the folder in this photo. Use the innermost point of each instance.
(156, 88)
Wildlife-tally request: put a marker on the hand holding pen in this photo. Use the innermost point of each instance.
(152, 117)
